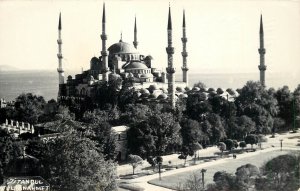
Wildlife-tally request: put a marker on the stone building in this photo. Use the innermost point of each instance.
(123, 60)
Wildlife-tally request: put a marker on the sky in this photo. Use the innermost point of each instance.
(223, 35)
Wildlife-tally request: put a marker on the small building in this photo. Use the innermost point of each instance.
(121, 147)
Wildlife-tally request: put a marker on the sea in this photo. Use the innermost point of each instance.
(45, 83)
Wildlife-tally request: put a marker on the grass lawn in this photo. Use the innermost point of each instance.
(228, 166)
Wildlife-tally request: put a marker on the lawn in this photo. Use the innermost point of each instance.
(230, 166)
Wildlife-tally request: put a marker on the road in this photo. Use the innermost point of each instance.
(272, 144)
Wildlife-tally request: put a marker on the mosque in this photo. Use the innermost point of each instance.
(123, 60)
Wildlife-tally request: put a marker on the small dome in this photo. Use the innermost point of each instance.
(203, 89)
(196, 89)
(121, 48)
(149, 57)
(211, 89)
(183, 96)
(162, 96)
(136, 65)
(69, 77)
(220, 91)
(187, 88)
(179, 89)
(143, 91)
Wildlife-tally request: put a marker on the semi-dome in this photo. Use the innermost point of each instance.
(94, 60)
(136, 65)
(162, 96)
(121, 48)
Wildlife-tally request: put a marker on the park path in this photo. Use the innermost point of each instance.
(272, 144)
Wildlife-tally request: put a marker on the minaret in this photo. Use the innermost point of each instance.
(60, 70)
(184, 52)
(135, 42)
(104, 52)
(262, 67)
(170, 69)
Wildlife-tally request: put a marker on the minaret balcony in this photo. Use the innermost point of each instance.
(60, 70)
(184, 40)
(59, 41)
(59, 55)
(184, 54)
(262, 51)
(170, 70)
(103, 37)
(104, 53)
(170, 50)
(185, 69)
(262, 67)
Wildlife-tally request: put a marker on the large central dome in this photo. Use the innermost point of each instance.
(122, 48)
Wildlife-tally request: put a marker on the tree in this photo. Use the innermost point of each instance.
(217, 128)
(285, 99)
(74, 162)
(105, 139)
(243, 126)
(29, 107)
(280, 173)
(259, 104)
(243, 144)
(229, 144)
(195, 147)
(246, 175)
(251, 139)
(157, 135)
(192, 183)
(191, 132)
(223, 181)
(222, 147)
(135, 161)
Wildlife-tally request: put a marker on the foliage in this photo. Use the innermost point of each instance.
(229, 144)
(251, 139)
(243, 144)
(280, 173)
(29, 107)
(223, 181)
(222, 147)
(135, 161)
(193, 183)
(246, 175)
(154, 136)
(73, 162)
(104, 138)
(243, 126)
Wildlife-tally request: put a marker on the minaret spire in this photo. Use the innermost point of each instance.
(135, 42)
(170, 69)
(104, 52)
(262, 67)
(60, 70)
(184, 52)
